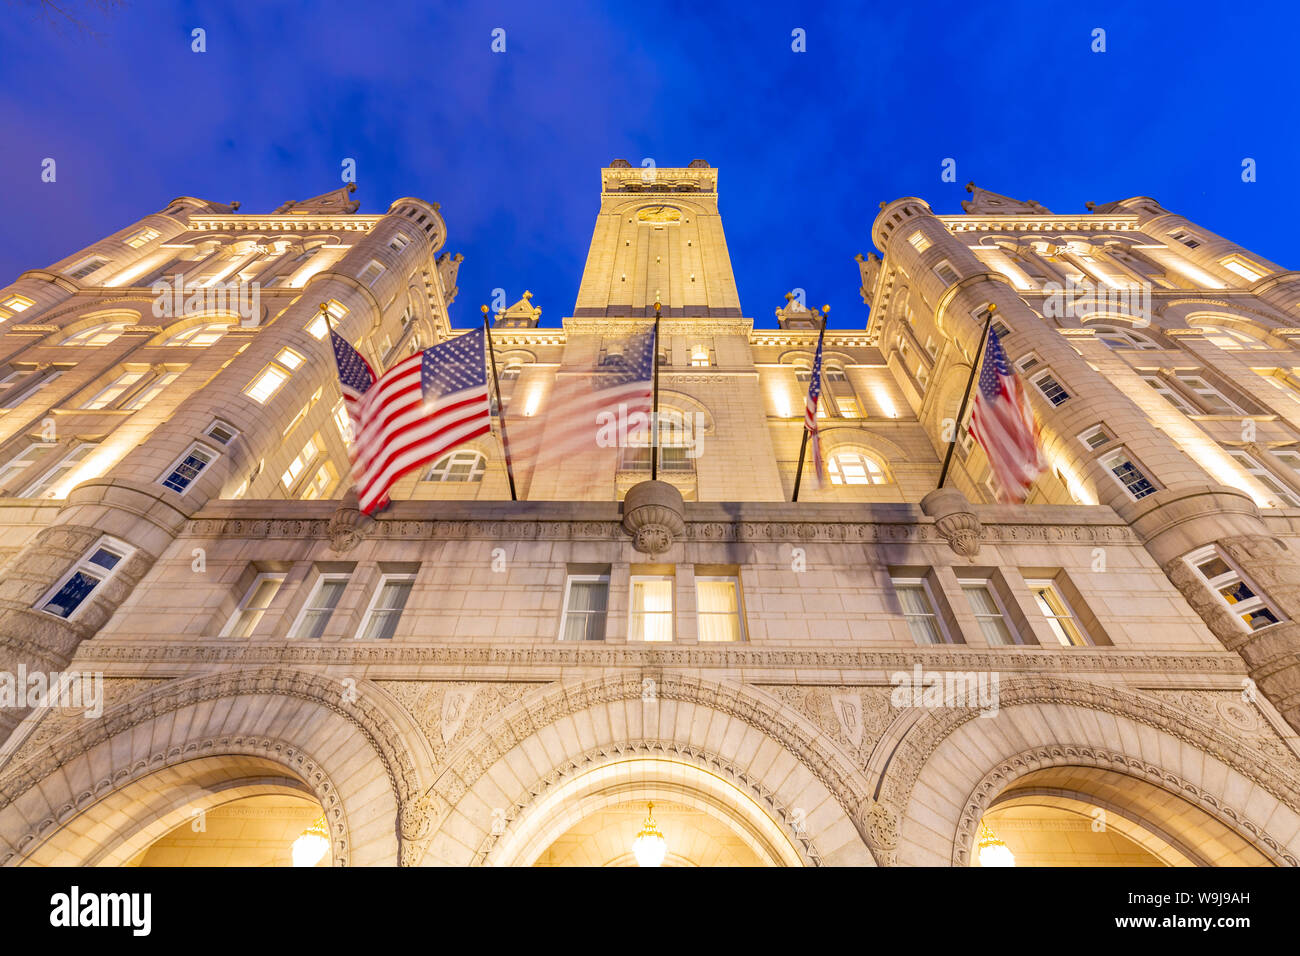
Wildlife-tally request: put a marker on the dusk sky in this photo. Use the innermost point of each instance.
(808, 144)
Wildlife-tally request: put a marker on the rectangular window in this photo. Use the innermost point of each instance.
(700, 356)
(946, 272)
(1247, 270)
(385, 610)
(1283, 495)
(918, 610)
(86, 267)
(1051, 388)
(222, 432)
(1095, 437)
(986, 607)
(848, 408)
(256, 600)
(30, 454)
(304, 458)
(17, 303)
(586, 600)
(344, 422)
(270, 379)
(1028, 362)
(373, 270)
(398, 243)
(1211, 400)
(47, 485)
(143, 238)
(182, 474)
(1060, 618)
(1001, 328)
(651, 614)
(151, 391)
(21, 383)
(1232, 588)
(919, 241)
(1170, 394)
(1185, 237)
(325, 597)
(111, 393)
(718, 613)
(1128, 474)
(319, 485)
(92, 570)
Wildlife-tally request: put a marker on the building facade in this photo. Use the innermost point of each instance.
(878, 674)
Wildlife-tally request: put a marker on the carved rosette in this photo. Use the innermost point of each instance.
(653, 516)
(955, 519)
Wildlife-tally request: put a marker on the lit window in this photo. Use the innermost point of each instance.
(1247, 270)
(918, 610)
(718, 614)
(700, 356)
(221, 432)
(1095, 437)
(256, 600)
(1170, 394)
(20, 383)
(143, 238)
(29, 455)
(848, 407)
(319, 326)
(86, 267)
(46, 485)
(319, 485)
(463, 465)
(199, 335)
(1051, 388)
(114, 390)
(854, 468)
(1114, 337)
(380, 622)
(17, 303)
(1232, 588)
(151, 391)
(1128, 474)
(1283, 495)
(1211, 400)
(325, 597)
(97, 334)
(398, 243)
(651, 615)
(586, 600)
(192, 464)
(373, 270)
(304, 458)
(1060, 618)
(919, 241)
(1230, 339)
(270, 379)
(986, 607)
(343, 421)
(90, 572)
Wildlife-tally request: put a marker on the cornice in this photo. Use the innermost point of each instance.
(306, 223)
(601, 325)
(1085, 222)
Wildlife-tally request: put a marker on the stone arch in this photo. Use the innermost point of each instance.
(933, 758)
(780, 759)
(317, 728)
(89, 320)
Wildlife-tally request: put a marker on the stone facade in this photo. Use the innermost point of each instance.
(1161, 690)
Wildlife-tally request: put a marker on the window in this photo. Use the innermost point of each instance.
(946, 272)
(1095, 437)
(143, 238)
(918, 610)
(718, 609)
(319, 485)
(855, 468)
(1170, 394)
(1185, 237)
(1027, 362)
(344, 421)
(1231, 339)
(848, 407)
(86, 267)
(325, 597)
(1211, 400)
(100, 334)
(398, 243)
(803, 373)
(30, 454)
(1226, 581)
(511, 372)
(319, 326)
(373, 270)
(463, 465)
(222, 432)
(700, 356)
(1060, 618)
(304, 458)
(833, 373)
(986, 607)
(270, 379)
(919, 241)
(1247, 270)
(90, 572)
(111, 393)
(306, 254)
(1283, 495)
(1001, 328)
(151, 391)
(182, 474)
(20, 383)
(380, 622)
(1114, 337)
(1050, 388)
(256, 600)
(1287, 456)
(586, 599)
(45, 486)
(17, 303)
(199, 335)
(651, 615)
(1128, 474)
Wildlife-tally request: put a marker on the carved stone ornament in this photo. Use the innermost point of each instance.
(955, 519)
(652, 515)
(348, 527)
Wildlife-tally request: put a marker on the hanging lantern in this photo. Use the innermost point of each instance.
(650, 847)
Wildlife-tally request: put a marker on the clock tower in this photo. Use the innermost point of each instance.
(658, 235)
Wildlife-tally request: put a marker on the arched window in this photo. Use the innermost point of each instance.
(97, 334)
(1117, 337)
(803, 373)
(855, 468)
(833, 373)
(678, 444)
(511, 371)
(461, 465)
(1231, 339)
(199, 335)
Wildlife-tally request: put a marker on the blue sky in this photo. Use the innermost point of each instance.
(808, 144)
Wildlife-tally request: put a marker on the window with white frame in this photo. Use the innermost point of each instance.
(1185, 237)
(319, 484)
(1060, 618)
(1211, 400)
(1289, 457)
(1281, 493)
(386, 607)
(92, 570)
(1169, 393)
(1227, 581)
(650, 616)
(855, 468)
(848, 407)
(301, 462)
(586, 602)
(113, 392)
(320, 606)
(1095, 437)
(19, 383)
(198, 336)
(373, 270)
(461, 465)
(143, 238)
(1001, 328)
(1231, 339)
(100, 334)
(718, 609)
(344, 422)
(946, 272)
(31, 453)
(918, 610)
(1244, 268)
(142, 397)
(269, 380)
(221, 432)
(1128, 474)
(700, 355)
(398, 242)
(1052, 390)
(47, 486)
(253, 605)
(919, 241)
(87, 266)
(989, 613)
(319, 326)
(1116, 337)
(188, 467)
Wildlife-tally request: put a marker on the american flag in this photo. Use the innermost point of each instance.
(422, 407)
(355, 375)
(810, 409)
(1003, 423)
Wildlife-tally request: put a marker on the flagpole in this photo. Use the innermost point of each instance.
(501, 406)
(965, 399)
(654, 421)
(803, 445)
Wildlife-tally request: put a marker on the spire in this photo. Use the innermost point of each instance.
(522, 315)
(986, 203)
(334, 201)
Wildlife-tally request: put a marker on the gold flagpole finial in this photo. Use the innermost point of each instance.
(483, 309)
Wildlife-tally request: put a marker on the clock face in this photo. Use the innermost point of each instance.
(659, 214)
